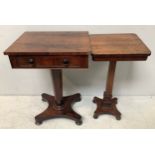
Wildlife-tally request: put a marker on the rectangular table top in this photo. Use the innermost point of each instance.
(118, 47)
(51, 43)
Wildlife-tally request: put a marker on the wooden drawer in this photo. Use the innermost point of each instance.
(76, 61)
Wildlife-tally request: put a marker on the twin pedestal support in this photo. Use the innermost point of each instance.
(59, 106)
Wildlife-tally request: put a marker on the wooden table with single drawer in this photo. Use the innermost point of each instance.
(55, 50)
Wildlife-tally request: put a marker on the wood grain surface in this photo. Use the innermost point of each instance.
(51, 43)
(118, 47)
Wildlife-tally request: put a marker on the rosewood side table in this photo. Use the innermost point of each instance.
(56, 51)
(113, 48)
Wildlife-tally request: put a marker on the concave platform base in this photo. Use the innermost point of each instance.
(63, 110)
(106, 106)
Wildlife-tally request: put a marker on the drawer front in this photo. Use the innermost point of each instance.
(79, 61)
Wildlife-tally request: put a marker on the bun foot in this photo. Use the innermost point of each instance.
(79, 122)
(38, 122)
(44, 100)
(118, 117)
(95, 116)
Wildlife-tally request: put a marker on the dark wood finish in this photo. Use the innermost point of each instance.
(55, 50)
(54, 112)
(50, 50)
(70, 50)
(51, 43)
(79, 61)
(58, 86)
(110, 78)
(113, 48)
(107, 105)
(118, 47)
(59, 106)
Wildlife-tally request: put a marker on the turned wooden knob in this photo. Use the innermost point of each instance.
(31, 61)
(66, 61)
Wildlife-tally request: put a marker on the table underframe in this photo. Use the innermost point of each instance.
(107, 105)
(59, 106)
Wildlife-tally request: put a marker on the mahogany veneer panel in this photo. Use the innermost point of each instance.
(113, 47)
(51, 43)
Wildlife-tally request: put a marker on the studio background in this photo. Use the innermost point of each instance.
(134, 78)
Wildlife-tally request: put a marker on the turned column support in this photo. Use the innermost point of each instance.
(107, 105)
(57, 85)
(110, 79)
(58, 105)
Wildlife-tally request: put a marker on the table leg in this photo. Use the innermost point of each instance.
(59, 106)
(107, 105)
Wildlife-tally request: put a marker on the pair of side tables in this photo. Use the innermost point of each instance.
(60, 50)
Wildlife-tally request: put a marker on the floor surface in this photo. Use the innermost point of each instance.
(17, 112)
